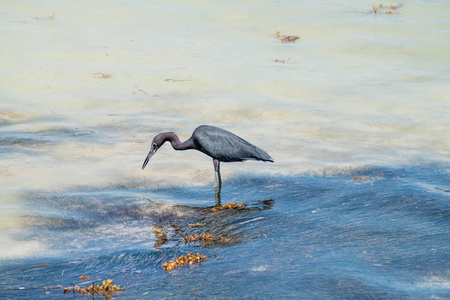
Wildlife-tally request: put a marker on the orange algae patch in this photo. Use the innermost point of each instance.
(365, 178)
(229, 206)
(182, 261)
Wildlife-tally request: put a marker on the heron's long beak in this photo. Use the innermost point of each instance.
(149, 155)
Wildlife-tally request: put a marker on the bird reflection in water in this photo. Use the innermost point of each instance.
(223, 227)
(160, 234)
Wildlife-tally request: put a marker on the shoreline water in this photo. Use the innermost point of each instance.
(84, 88)
(383, 236)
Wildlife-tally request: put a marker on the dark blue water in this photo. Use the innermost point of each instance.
(302, 237)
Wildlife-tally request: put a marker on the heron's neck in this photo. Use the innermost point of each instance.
(175, 141)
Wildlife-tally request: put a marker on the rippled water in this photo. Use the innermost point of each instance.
(86, 86)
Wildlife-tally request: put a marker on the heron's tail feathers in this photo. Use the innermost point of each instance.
(262, 155)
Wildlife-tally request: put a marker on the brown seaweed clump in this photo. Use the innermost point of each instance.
(193, 238)
(182, 261)
(286, 38)
(365, 178)
(106, 289)
(229, 206)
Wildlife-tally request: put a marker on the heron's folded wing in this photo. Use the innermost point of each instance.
(226, 146)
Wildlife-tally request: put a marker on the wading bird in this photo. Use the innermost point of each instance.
(215, 142)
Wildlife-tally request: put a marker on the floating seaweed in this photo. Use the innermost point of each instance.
(281, 60)
(365, 178)
(182, 261)
(205, 239)
(289, 38)
(195, 225)
(195, 238)
(229, 206)
(105, 289)
(379, 8)
(361, 178)
(84, 277)
(286, 38)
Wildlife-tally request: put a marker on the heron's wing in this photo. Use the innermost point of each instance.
(226, 146)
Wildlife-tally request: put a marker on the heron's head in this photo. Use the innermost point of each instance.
(157, 142)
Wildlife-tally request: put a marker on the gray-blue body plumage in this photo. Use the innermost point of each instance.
(220, 144)
(226, 146)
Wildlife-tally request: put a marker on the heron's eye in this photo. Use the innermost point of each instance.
(154, 146)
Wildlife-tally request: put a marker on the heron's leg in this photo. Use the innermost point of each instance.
(217, 180)
(217, 190)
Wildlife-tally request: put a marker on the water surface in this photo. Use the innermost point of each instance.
(84, 87)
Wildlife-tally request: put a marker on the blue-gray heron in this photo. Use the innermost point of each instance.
(215, 142)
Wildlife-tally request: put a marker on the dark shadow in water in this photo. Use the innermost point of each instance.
(222, 226)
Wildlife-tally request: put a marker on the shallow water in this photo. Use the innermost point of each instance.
(85, 87)
(300, 237)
